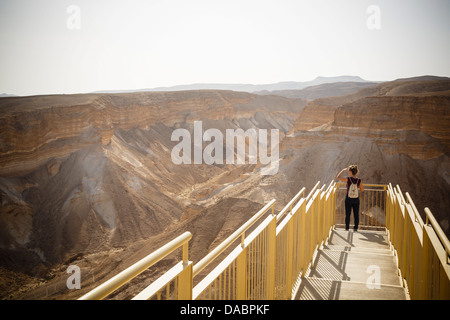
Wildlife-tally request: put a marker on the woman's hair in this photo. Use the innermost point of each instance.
(353, 169)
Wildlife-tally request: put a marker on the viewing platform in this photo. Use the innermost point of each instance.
(303, 252)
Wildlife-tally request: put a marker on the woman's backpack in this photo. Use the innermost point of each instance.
(353, 191)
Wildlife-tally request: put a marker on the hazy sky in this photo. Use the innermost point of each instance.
(82, 46)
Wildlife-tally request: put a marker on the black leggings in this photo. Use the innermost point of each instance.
(349, 204)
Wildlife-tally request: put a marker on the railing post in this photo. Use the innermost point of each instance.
(387, 208)
(241, 275)
(185, 282)
(310, 227)
(186, 277)
(271, 252)
(320, 216)
(333, 203)
(290, 255)
(425, 264)
(302, 217)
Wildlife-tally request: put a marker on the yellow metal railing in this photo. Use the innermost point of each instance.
(302, 231)
(269, 262)
(422, 248)
(180, 273)
(248, 271)
(371, 210)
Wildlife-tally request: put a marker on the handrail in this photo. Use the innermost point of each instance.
(312, 198)
(290, 203)
(439, 232)
(199, 266)
(400, 194)
(416, 212)
(312, 191)
(126, 275)
(332, 183)
(366, 185)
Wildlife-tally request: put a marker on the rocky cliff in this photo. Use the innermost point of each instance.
(412, 125)
(83, 174)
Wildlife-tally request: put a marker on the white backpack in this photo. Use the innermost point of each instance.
(353, 190)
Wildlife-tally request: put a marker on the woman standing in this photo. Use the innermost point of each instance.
(352, 196)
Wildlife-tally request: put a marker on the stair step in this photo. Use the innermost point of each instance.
(361, 239)
(329, 289)
(355, 266)
(351, 249)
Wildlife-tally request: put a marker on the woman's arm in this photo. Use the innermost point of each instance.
(340, 173)
(361, 186)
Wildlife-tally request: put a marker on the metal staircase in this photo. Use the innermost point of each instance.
(301, 253)
(353, 266)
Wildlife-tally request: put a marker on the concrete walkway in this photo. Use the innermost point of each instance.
(353, 266)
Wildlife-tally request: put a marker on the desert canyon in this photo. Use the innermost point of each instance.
(88, 180)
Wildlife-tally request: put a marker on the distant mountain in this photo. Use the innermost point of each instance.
(285, 85)
(324, 90)
(423, 78)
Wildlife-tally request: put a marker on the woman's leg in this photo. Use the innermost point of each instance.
(355, 206)
(348, 211)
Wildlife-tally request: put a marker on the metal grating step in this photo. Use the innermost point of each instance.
(328, 289)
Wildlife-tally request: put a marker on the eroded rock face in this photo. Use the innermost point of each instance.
(35, 129)
(85, 173)
(412, 125)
